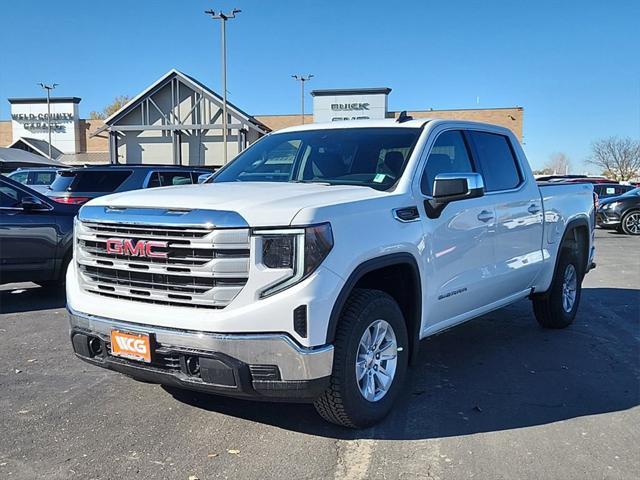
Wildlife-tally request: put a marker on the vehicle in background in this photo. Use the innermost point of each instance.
(607, 190)
(79, 185)
(573, 179)
(36, 236)
(313, 264)
(621, 213)
(37, 178)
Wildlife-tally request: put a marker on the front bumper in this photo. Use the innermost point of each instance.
(606, 218)
(268, 366)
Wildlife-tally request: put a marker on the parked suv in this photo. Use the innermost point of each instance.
(36, 236)
(621, 213)
(79, 185)
(38, 179)
(313, 265)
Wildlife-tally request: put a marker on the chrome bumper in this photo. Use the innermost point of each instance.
(295, 363)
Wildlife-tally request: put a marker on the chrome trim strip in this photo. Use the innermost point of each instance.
(294, 362)
(162, 217)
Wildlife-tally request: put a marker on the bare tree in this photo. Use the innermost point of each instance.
(619, 158)
(113, 107)
(558, 164)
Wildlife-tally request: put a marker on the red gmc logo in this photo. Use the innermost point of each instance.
(142, 248)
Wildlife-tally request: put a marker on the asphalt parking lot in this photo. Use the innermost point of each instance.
(496, 398)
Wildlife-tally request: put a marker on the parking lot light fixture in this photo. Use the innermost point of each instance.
(223, 17)
(48, 88)
(302, 79)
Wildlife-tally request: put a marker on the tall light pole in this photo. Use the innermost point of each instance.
(48, 88)
(223, 17)
(302, 79)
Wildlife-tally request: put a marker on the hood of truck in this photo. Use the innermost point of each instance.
(259, 203)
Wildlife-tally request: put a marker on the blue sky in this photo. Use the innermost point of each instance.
(573, 65)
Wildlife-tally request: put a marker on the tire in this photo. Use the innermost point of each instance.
(550, 308)
(630, 223)
(343, 403)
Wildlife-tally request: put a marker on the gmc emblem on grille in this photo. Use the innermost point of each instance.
(141, 248)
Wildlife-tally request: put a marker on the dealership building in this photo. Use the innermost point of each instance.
(177, 120)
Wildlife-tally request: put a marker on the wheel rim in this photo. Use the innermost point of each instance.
(569, 287)
(376, 360)
(632, 223)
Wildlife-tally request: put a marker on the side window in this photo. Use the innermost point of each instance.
(154, 180)
(20, 177)
(449, 154)
(42, 178)
(497, 161)
(9, 197)
(168, 179)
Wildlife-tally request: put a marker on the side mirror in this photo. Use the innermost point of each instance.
(204, 177)
(450, 187)
(30, 204)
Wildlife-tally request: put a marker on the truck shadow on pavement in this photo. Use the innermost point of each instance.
(29, 298)
(498, 372)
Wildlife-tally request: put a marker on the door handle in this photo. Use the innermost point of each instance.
(533, 209)
(485, 216)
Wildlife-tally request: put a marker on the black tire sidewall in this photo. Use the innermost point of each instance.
(361, 411)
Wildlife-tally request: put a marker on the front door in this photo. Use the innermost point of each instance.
(459, 243)
(28, 240)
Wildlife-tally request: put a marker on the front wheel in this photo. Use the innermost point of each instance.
(630, 223)
(370, 361)
(557, 308)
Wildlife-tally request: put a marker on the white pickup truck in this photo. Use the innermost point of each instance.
(311, 266)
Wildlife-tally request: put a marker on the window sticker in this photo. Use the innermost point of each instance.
(379, 178)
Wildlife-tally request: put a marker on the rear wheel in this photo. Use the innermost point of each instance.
(630, 223)
(557, 308)
(370, 361)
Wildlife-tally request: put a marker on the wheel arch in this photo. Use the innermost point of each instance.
(576, 231)
(376, 273)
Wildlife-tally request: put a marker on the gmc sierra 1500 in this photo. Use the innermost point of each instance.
(311, 266)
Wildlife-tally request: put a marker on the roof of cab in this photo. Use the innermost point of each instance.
(382, 123)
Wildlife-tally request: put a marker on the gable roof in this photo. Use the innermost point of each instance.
(41, 147)
(190, 81)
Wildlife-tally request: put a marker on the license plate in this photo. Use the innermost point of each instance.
(135, 346)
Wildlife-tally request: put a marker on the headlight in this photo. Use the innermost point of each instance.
(609, 205)
(297, 250)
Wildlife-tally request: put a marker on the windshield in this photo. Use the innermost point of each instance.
(631, 193)
(371, 157)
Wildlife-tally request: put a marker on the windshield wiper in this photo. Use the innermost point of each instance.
(311, 181)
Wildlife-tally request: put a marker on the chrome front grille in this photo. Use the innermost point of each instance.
(204, 267)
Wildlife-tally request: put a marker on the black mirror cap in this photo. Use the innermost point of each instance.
(30, 203)
(450, 187)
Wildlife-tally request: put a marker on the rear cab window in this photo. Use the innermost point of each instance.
(496, 160)
(90, 180)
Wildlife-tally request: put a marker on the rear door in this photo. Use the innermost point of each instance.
(459, 243)
(515, 198)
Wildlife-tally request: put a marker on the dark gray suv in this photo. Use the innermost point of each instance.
(79, 185)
